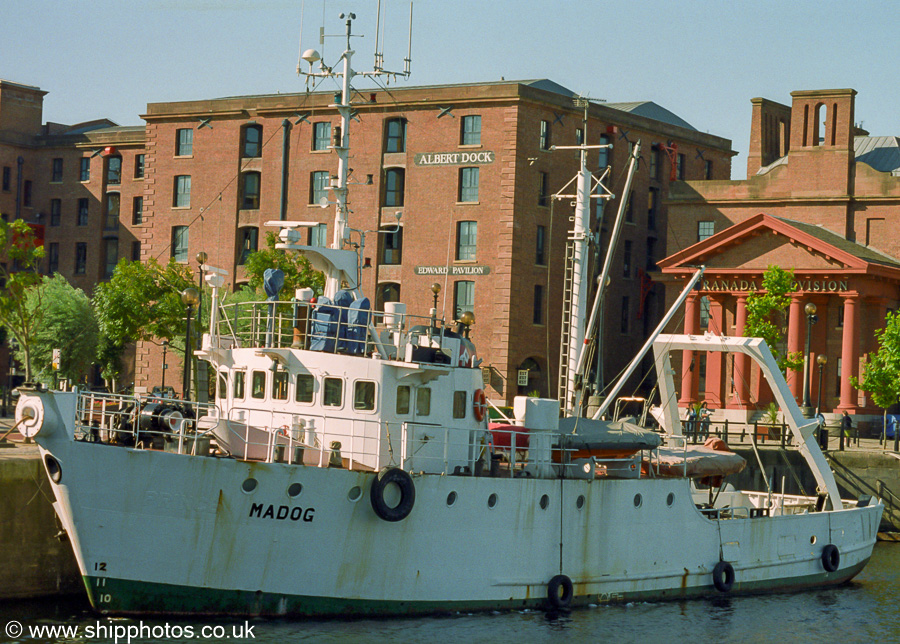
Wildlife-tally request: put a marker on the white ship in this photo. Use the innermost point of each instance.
(347, 467)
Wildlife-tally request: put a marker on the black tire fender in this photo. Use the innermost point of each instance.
(404, 482)
(723, 576)
(831, 557)
(560, 591)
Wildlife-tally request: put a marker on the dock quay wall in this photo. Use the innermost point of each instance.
(33, 561)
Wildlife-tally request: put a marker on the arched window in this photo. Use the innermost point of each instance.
(251, 141)
(393, 187)
(250, 191)
(387, 292)
(395, 135)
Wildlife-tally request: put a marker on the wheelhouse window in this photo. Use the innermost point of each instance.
(280, 385)
(184, 142)
(332, 392)
(471, 130)
(459, 404)
(364, 395)
(222, 389)
(305, 386)
(394, 178)
(251, 144)
(403, 398)
(258, 385)
(321, 135)
(238, 384)
(468, 185)
(250, 191)
(423, 401)
(395, 135)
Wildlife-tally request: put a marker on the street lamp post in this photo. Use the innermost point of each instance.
(436, 289)
(189, 297)
(165, 366)
(821, 360)
(811, 318)
(201, 259)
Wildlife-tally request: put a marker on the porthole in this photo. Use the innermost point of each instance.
(492, 500)
(670, 499)
(249, 485)
(354, 494)
(545, 502)
(294, 490)
(638, 500)
(579, 502)
(451, 499)
(812, 540)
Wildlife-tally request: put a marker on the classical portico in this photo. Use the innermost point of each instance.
(851, 286)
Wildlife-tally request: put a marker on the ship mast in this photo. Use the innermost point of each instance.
(335, 261)
(575, 295)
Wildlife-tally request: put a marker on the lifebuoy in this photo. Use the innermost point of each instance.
(559, 591)
(723, 576)
(404, 482)
(831, 557)
(479, 404)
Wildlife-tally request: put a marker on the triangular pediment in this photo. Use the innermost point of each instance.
(763, 240)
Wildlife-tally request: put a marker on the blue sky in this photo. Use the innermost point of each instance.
(702, 59)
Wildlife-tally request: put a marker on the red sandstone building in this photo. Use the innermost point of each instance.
(821, 197)
(469, 167)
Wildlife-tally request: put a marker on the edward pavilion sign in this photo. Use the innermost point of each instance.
(814, 286)
(480, 157)
(453, 270)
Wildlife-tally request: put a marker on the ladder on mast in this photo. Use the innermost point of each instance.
(566, 321)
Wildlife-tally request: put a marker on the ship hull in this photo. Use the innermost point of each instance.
(164, 533)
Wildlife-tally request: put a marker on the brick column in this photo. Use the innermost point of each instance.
(741, 372)
(689, 383)
(849, 353)
(796, 320)
(715, 360)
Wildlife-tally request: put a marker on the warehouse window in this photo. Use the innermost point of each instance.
(251, 145)
(393, 187)
(466, 240)
(468, 185)
(184, 142)
(471, 130)
(321, 135)
(395, 135)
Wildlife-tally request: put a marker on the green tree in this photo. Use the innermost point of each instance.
(140, 302)
(298, 273)
(20, 275)
(881, 374)
(767, 317)
(67, 324)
